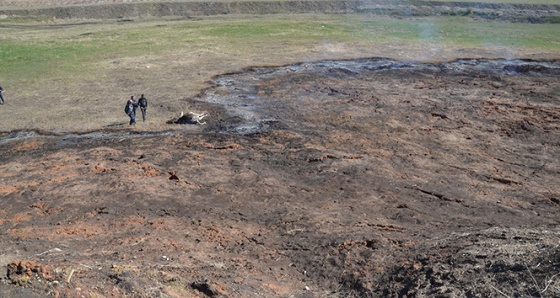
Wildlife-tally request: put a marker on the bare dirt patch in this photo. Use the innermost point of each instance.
(319, 180)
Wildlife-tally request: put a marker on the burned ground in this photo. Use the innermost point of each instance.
(359, 178)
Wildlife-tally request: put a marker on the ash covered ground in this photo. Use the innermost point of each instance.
(356, 178)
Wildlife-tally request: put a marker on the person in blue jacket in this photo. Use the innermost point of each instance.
(130, 110)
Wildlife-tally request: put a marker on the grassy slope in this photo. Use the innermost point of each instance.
(69, 65)
(550, 2)
(28, 3)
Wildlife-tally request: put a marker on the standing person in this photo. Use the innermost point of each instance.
(143, 103)
(1, 97)
(130, 110)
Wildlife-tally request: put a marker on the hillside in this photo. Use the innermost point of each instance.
(430, 172)
(83, 9)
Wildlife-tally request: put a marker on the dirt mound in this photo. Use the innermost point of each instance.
(494, 262)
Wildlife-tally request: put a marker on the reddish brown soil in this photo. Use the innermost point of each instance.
(396, 183)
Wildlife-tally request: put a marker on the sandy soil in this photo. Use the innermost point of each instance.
(397, 180)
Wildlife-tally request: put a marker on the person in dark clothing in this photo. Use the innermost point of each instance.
(1, 96)
(143, 103)
(131, 106)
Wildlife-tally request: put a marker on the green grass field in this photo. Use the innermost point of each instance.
(55, 61)
(32, 53)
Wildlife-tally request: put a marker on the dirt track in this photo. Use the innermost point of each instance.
(397, 180)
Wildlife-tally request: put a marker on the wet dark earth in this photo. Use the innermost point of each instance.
(358, 178)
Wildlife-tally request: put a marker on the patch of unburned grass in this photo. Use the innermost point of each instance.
(68, 51)
(80, 72)
(463, 31)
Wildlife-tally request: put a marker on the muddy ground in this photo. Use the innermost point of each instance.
(357, 178)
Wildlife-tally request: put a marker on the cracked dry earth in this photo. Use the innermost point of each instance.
(363, 178)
